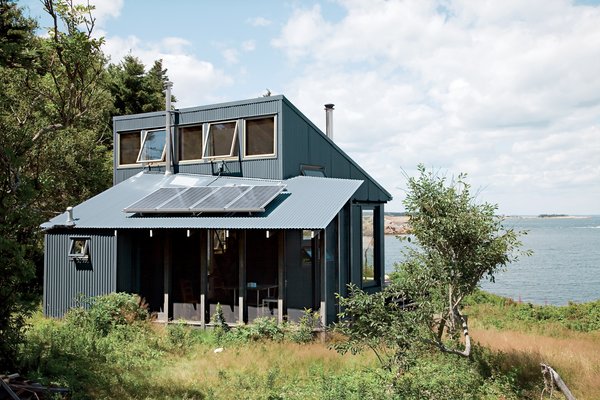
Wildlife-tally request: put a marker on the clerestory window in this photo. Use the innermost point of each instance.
(153, 146)
(129, 147)
(259, 137)
(190, 143)
(222, 140)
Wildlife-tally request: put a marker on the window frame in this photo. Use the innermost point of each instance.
(84, 255)
(316, 168)
(204, 128)
(375, 281)
(206, 137)
(245, 132)
(130, 165)
(144, 133)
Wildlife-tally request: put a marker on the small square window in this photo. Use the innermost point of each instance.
(222, 140)
(190, 143)
(79, 248)
(153, 146)
(260, 137)
(129, 147)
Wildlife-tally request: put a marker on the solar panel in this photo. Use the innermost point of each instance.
(207, 199)
(256, 198)
(218, 200)
(154, 200)
(185, 200)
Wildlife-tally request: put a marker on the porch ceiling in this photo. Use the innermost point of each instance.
(308, 203)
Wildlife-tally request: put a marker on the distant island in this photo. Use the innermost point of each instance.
(553, 216)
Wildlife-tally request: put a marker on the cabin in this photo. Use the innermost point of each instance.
(244, 204)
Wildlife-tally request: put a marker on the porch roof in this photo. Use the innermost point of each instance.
(307, 203)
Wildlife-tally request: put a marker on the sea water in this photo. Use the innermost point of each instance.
(565, 265)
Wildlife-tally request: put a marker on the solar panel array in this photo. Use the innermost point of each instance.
(206, 199)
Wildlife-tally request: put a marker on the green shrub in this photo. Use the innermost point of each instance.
(303, 332)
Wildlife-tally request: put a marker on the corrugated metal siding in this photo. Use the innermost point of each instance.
(125, 173)
(266, 168)
(65, 282)
(304, 143)
(139, 122)
(219, 112)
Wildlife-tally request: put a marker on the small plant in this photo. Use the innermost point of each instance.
(303, 331)
(178, 335)
(266, 328)
(218, 320)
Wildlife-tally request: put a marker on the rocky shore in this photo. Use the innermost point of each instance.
(396, 225)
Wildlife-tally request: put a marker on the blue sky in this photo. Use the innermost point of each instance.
(506, 91)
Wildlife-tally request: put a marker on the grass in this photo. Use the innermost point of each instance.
(567, 338)
(114, 351)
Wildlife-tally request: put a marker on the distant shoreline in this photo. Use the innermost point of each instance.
(549, 216)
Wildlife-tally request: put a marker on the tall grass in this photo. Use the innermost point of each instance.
(567, 338)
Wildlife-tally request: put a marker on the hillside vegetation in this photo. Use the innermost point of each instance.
(114, 350)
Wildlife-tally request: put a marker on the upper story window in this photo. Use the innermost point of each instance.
(259, 137)
(153, 147)
(190, 143)
(129, 147)
(221, 140)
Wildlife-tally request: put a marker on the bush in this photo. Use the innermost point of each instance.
(303, 331)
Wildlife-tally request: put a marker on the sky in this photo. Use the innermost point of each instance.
(507, 92)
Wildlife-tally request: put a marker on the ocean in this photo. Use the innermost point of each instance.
(564, 267)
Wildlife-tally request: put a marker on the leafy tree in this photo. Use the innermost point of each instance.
(459, 242)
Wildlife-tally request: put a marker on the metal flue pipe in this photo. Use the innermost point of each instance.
(169, 163)
(329, 120)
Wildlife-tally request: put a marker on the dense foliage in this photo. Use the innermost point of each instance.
(503, 313)
(113, 350)
(58, 95)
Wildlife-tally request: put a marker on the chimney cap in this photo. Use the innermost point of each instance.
(329, 106)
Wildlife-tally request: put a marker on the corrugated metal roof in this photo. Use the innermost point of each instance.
(308, 203)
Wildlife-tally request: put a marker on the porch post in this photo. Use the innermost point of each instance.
(323, 263)
(204, 249)
(242, 312)
(166, 276)
(280, 275)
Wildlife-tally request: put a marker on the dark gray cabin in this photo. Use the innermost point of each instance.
(254, 208)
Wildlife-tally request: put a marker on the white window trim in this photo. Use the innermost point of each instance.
(191, 160)
(85, 254)
(144, 134)
(132, 165)
(257, 156)
(236, 130)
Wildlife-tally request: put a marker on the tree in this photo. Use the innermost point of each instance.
(459, 243)
(133, 89)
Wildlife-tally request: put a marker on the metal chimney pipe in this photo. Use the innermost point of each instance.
(70, 219)
(329, 120)
(168, 166)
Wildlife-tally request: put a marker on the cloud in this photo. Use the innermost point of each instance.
(103, 10)
(259, 21)
(505, 91)
(249, 45)
(194, 79)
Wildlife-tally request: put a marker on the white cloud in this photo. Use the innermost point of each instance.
(104, 9)
(259, 21)
(231, 56)
(249, 45)
(194, 79)
(506, 91)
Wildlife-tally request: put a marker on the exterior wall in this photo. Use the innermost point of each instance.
(65, 280)
(268, 168)
(304, 143)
